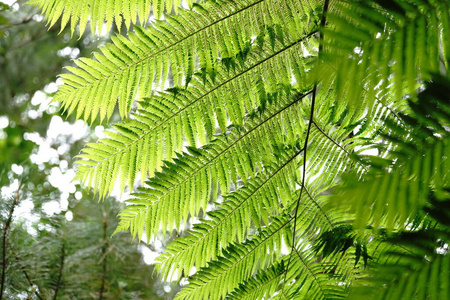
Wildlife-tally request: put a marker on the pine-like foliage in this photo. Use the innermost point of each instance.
(252, 120)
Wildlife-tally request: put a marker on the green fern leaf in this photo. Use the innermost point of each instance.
(238, 263)
(310, 279)
(386, 192)
(228, 94)
(130, 69)
(102, 13)
(194, 173)
(207, 239)
(400, 41)
(166, 119)
(412, 264)
(262, 286)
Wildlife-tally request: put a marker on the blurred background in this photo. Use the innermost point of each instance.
(56, 237)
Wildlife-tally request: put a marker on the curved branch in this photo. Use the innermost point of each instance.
(104, 255)
(311, 120)
(5, 236)
(24, 271)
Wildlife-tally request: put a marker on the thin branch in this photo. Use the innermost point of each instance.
(318, 205)
(104, 255)
(330, 138)
(61, 267)
(310, 271)
(27, 276)
(305, 148)
(336, 143)
(5, 236)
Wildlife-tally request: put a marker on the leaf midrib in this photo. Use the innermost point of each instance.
(165, 48)
(199, 98)
(242, 202)
(144, 210)
(243, 257)
(235, 142)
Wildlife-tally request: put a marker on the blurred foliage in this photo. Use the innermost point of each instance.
(46, 254)
(30, 58)
(83, 252)
(29, 54)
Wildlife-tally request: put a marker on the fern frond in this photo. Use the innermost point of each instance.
(103, 13)
(306, 279)
(371, 41)
(428, 281)
(412, 264)
(392, 189)
(186, 185)
(168, 114)
(184, 179)
(330, 152)
(230, 223)
(261, 286)
(129, 69)
(416, 144)
(309, 279)
(238, 263)
(167, 193)
(166, 119)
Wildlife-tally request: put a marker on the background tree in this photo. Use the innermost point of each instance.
(270, 105)
(56, 239)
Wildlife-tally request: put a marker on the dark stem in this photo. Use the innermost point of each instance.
(61, 267)
(330, 138)
(5, 236)
(27, 277)
(104, 255)
(305, 147)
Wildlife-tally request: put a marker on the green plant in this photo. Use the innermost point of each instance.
(254, 116)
